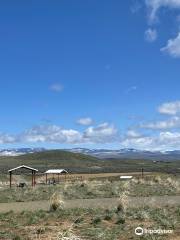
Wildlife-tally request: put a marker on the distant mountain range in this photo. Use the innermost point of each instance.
(19, 151)
(125, 153)
(129, 153)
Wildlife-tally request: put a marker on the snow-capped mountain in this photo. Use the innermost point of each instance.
(19, 151)
(106, 152)
(125, 153)
(129, 153)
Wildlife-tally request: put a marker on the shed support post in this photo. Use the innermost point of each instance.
(46, 178)
(32, 178)
(142, 172)
(10, 179)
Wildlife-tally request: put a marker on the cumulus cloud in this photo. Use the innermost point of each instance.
(163, 141)
(142, 143)
(6, 138)
(103, 133)
(85, 121)
(150, 35)
(52, 134)
(170, 108)
(173, 122)
(133, 134)
(56, 87)
(155, 5)
(173, 47)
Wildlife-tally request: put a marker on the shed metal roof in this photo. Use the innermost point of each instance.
(23, 166)
(56, 171)
(126, 177)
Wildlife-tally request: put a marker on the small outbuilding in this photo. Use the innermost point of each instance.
(33, 171)
(57, 172)
(126, 177)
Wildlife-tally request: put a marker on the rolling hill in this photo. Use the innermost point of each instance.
(83, 163)
(124, 153)
(48, 159)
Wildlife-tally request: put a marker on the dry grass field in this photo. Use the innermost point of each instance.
(67, 214)
(91, 224)
(103, 186)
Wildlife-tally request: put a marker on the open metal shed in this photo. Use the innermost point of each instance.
(33, 171)
(57, 172)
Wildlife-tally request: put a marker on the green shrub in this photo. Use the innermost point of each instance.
(120, 220)
(108, 217)
(79, 220)
(96, 220)
(16, 237)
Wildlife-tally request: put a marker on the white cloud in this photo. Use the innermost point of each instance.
(85, 121)
(170, 108)
(173, 47)
(173, 122)
(6, 138)
(133, 134)
(142, 143)
(56, 87)
(167, 140)
(103, 133)
(51, 133)
(163, 141)
(150, 35)
(155, 5)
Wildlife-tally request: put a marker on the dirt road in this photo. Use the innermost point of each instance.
(158, 201)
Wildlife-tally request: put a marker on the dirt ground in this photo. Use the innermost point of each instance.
(80, 176)
(158, 201)
(88, 176)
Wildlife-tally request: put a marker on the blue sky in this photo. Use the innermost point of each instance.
(90, 74)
